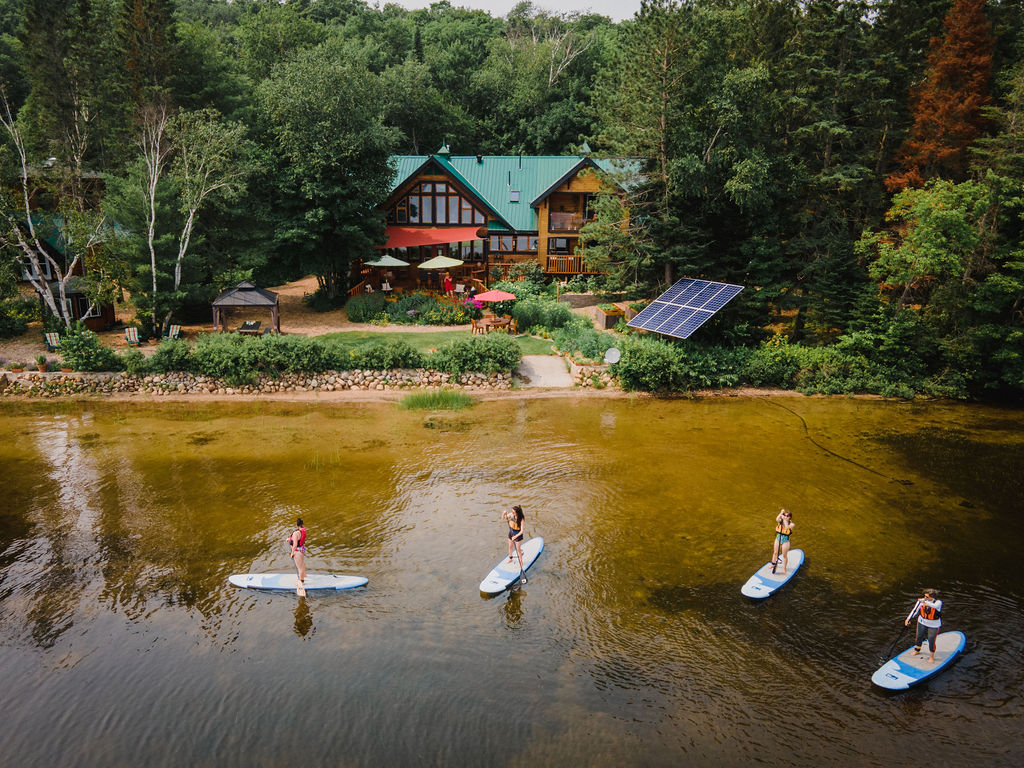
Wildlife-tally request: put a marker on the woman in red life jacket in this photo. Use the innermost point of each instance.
(297, 541)
(516, 531)
(928, 610)
(783, 528)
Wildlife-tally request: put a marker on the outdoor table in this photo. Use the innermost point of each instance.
(250, 328)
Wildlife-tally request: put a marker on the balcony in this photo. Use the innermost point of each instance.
(565, 265)
(565, 221)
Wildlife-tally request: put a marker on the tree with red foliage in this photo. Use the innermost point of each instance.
(948, 104)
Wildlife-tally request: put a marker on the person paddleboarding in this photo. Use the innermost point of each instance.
(783, 529)
(297, 542)
(928, 610)
(516, 531)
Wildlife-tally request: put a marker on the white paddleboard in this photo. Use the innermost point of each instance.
(764, 582)
(506, 573)
(290, 581)
(905, 670)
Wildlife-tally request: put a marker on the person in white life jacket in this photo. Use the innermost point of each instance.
(783, 528)
(928, 610)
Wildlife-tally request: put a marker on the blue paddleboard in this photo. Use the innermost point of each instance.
(764, 582)
(905, 670)
(290, 581)
(506, 573)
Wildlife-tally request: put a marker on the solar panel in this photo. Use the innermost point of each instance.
(685, 307)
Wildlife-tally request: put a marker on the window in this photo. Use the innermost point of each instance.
(558, 245)
(514, 243)
(84, 310)
(434, 203)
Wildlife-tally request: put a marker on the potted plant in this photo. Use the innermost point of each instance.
(41, 362)
(16, 367)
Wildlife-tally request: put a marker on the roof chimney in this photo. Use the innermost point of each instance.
(479, 159)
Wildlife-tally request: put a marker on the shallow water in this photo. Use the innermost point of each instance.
(121, 642)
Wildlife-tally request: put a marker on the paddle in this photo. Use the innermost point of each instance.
(522, 573)
(888, 654)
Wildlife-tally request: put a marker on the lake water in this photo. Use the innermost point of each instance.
(122, 644)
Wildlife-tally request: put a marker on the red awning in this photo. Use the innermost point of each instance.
(406, 237)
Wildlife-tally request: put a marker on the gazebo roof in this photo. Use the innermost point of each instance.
(246, 294)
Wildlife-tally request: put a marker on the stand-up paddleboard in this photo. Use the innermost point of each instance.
(905, 670)
(764, 582)
(290, 581)
(506, 573)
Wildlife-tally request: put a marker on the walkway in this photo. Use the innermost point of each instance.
(546, 371)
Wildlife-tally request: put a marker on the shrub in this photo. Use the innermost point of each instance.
(445, 313)
(171, 355)
(774, 363)
(493, 353)
(361, 309)
(384, 356)
(82, 350)
(579, 336)
(15, 316)
(136, 363)
(656, 365)
(540, 312)
(318, 301)
(223, 356)
(287, 354)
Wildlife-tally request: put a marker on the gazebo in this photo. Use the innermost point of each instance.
(246, 295)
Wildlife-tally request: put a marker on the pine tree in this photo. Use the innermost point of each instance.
(948, 105)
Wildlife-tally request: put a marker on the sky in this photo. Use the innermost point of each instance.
(617, 10)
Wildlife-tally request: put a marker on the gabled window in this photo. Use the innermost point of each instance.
(434, 202)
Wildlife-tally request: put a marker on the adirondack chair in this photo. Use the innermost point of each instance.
(52, 341)
(173, 332)
(131, 334)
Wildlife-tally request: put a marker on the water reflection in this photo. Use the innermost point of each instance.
(303, 618)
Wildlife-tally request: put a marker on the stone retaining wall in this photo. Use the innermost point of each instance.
(62, 384)
(591, 375)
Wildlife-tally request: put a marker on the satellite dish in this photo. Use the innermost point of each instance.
(612, 356)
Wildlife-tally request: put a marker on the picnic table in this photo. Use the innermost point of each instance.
(250, 328)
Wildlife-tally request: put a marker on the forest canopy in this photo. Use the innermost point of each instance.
(859, 166)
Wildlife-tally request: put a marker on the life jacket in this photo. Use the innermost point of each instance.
(514, 524)
(302, 539)
(929, 612)
(781, 528)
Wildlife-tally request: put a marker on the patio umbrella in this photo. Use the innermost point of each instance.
(441, 262)
(494, 295)
(387, 260)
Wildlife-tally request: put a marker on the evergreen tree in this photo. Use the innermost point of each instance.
(948, 105)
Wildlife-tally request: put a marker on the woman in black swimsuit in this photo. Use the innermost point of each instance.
(516, 531)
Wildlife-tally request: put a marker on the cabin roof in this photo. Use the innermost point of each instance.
(493, 178)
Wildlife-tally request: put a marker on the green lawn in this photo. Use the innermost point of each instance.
(424, 342)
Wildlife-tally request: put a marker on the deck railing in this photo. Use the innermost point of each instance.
(565, 265)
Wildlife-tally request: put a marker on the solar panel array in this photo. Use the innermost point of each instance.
(685, 307)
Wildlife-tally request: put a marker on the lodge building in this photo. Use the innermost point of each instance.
(493, 211)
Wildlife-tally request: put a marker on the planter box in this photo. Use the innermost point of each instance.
(608, 320)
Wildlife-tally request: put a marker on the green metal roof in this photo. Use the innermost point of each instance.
(495, 176)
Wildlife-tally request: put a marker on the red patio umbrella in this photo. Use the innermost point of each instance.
(494, 295)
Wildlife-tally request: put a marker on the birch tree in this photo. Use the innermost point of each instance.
(77, 230)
